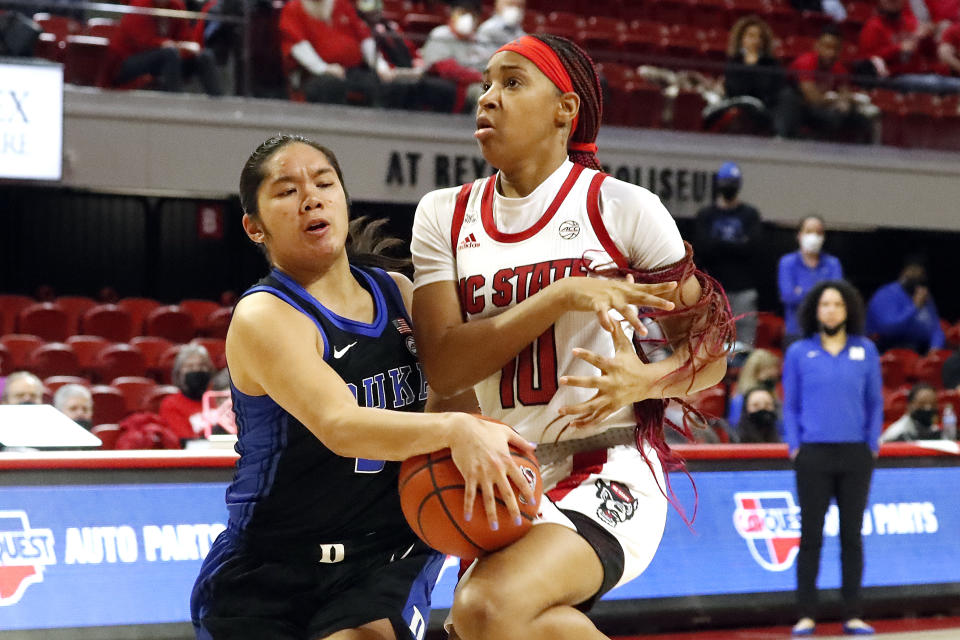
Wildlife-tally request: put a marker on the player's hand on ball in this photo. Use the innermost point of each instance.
(620, 376)
(603, 295)
(481, 451)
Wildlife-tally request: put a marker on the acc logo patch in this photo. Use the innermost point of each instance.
(770, 523)
(24, 552)
(569, 229)
(617, 504)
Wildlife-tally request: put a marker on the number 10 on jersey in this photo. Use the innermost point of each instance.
(531, 377)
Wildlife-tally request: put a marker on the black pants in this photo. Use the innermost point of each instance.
(169, 69)
(361, 86)
(826, 471)
(793, 112)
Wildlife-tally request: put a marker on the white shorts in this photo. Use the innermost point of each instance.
(614, 500)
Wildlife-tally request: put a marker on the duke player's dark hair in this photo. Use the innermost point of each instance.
(366, 243)
(586, 84)
(807, 315)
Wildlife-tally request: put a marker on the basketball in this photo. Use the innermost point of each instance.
(431, 496)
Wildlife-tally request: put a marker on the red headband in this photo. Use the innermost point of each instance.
(547, 60)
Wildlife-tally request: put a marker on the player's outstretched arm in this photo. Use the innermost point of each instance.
(274, 350)
(444, 338)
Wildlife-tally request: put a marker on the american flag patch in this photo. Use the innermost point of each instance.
(402, 327)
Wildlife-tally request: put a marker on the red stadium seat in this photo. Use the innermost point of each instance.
(929, 369)
(170, 322)
(152, 348)
(712, 402)
(19, 347)
(87, 348)
(139, 309)
(108, 434)
(897, 366)
(84, 59)
(4, 361)
(108, 321)
(688, 110)
(708, 14)
(419, 25)
(669, 11)
(165, 365)
(101, 27)
(10, 307)
(60, 26)
(813, 22)
(151, 402)
(199, 310)
(52, 383)
(563, 23)
(770, 330)
(135, 390)
(49, 47)
(217, 323)
(109, 404)
(53, 359)
(44, 319)
(217, 349)
(895, 404)
(119, 360)
(75, 307)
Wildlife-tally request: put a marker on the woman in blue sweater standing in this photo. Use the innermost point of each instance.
(832, 414)
(799, 271)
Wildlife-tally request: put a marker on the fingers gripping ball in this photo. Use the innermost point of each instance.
(431, 496)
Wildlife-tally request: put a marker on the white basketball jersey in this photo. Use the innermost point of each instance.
(496, 270)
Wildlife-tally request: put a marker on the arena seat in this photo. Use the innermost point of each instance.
(101, 27)
(770, 329)
(87, 348)
(84, 59)
(813, 22)
(53, 358)
(52, 383)
(135, 390)
(10, 307)
(929, 369)
(708, 14)
(118, 360)
(165, 364)
(199, 309)
(44, 319)
(688, 110)
(712, 401)
(152, 348)
(108, 434)
(897, 367)
(419, 25)
(49, 47)
(75, 307)
(895, 404)
(217, 323)
(108, 321)
(109, 404)
(139, 309)
(216, 347)
(19, 346)
(673, 12)
(5, 368)
(170, 322)
(153, 398)
(60, 26)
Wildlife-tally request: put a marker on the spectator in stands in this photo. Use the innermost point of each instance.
(329, 53)
(727, 240)
(762, 369)
(192, 371)
(411, 87)
(22, 387)
(800, 270)
(900, 50)
(160, 47)
(760, 421)
(949, 49)
(832, 418)
(75, 402)
(505, 25)
(920, 420)
(903, 314)
(753, 75)
(819, 97)
(452, 52)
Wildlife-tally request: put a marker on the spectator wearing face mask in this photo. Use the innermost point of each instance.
(75, 402)
(799, 271)
(192, 370)
(760, 421)
(453, 52)
(902, 314)
(762, 369)
(505, 25)
(728, 237)
(22, 387)
(920, 420)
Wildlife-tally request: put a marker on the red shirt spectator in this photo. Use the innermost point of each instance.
(808, 68)
(941, 10)
(336, 41)
(181, 414)
(138, 33)
(883, 35)
(950, 51)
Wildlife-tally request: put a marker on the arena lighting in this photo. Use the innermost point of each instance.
(31, 119)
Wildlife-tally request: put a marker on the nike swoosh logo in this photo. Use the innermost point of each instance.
(338, 353)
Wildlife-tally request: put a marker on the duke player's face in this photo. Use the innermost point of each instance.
(519, 111)
(831, 310)
(303, 216)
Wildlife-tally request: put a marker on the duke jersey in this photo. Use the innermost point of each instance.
(502, 250)
(288, 485)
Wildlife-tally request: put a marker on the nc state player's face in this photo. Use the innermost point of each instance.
(303, 208)
(515, 112)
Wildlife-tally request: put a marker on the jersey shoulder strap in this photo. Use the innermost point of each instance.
(459, 211)
(596, 221)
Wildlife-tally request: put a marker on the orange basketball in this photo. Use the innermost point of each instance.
(431, 495)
